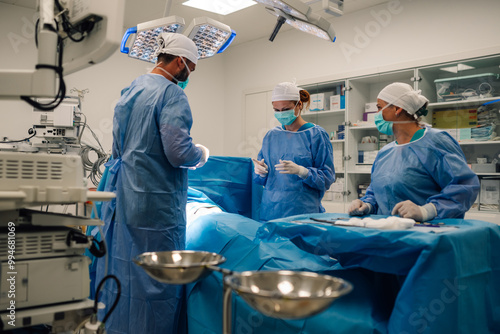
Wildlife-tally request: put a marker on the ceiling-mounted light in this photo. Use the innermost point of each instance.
(300, 16)
(146, 33)
(210, 36)
(222, 7)
(457, 68)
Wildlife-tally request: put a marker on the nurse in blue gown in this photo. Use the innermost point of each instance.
(295, 164)
(423, 174)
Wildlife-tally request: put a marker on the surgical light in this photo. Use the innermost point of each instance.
(146, 33)
(210, 36)
(300, 16)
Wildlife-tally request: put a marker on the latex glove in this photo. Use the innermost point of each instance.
(260, 167)
(290, 167)
(408, 209)
(359, 208)
(204, 156)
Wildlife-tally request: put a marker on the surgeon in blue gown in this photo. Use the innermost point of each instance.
(295, 164)
(152, 149)
(423, 174)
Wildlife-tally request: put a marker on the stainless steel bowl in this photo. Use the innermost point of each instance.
(287, 294)
(178, 267)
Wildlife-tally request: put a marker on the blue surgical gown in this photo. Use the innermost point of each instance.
(431, 169)
(287, 194)
(151, 140)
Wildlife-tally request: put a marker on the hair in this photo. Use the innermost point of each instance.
(305, 98)
(165, 58)
(417, 116)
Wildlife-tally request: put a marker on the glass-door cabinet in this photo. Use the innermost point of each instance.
(464, 101)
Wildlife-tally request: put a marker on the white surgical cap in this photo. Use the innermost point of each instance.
(402, 95)
(286, 91)
(177, 45)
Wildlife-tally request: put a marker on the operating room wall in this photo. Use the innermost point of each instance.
(390, 36)
(104, 82)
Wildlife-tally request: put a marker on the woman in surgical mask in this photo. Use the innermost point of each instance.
(423, 174)
(295, 164)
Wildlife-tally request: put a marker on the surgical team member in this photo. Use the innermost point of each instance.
(423, 174)
(295, 164)
(152, 149)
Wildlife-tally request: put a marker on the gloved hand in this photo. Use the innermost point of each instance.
(260, 167)
(408, 209)
(290, 167)
(204, 157)
(359, 208)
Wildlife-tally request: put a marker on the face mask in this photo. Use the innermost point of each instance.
(183, 84)
(286, 117)
(383, 126)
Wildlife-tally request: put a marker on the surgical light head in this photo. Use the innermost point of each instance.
(300, 16)
(209, 36)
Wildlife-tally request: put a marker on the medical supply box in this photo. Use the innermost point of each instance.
(320, 101)
(454, 118)
(490, 192)
(337, 102)
(467, 87)
(484, 168)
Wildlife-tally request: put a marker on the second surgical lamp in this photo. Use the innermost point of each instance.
(300, 16)
(210, 36)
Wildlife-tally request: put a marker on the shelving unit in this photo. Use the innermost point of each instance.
(360, 90)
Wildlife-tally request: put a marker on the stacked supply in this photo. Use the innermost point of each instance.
(487, 120)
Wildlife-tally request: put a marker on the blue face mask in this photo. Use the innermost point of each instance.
(183, 84)
(285, 117)
(383, 126)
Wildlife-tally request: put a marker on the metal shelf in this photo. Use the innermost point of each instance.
(363, 127)
(324, 112)
(488, 142)
(461, 103)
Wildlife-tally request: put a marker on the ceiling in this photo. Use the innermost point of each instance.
(250, 24)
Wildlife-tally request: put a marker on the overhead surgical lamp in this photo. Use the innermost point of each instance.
(300, 16)
(143, 47)
(210, 36)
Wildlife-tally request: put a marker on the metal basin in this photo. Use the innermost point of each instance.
(178, 267)
(287, 294)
